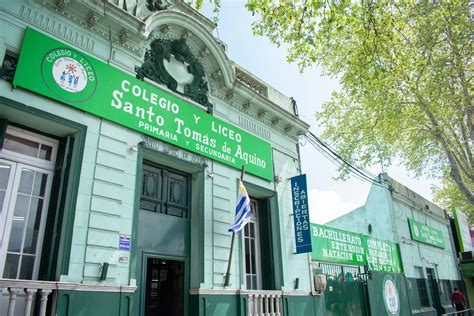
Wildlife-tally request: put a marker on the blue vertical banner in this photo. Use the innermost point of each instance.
(299, 194)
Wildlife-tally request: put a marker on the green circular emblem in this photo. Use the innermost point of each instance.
(68, 74)
(391, 298)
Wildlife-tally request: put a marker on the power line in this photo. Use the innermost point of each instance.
(334, 157)
(339, 161)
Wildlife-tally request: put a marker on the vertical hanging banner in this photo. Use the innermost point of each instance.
(299, 195)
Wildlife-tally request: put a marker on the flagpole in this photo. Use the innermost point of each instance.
(227, 275)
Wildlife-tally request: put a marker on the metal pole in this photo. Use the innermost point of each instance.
(227, 275)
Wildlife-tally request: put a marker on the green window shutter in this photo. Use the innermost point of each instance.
(54, 218)
(3, 130)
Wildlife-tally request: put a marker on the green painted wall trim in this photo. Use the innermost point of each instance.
(271, 199)
(78, 303)
(303, 305)
(3, 130)
(217, 305)
(197, 207)
(136, 212)
(194, 257)
(64, 248)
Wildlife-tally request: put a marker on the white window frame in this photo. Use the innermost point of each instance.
(7, 224)
(20, 161)
(6, 201)
(254, 206)
(19, 157)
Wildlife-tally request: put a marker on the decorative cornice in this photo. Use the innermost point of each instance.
(184, 8)
(165, 29)
(62, 4)
(124, 36)
(279, 114)
(250, 82)
(205, 52)
(92, 19)
(216, 75)
(187, 34)
(229, 95)
(67, 33)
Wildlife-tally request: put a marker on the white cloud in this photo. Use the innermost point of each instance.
(325, 206)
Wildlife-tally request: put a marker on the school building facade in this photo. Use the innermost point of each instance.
(428, 270)
(124, 129)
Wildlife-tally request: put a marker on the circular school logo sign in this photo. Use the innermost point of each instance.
(390, 296)
(69, 75)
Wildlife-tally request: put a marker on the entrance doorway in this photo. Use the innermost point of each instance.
(164, 287)
(434, 290)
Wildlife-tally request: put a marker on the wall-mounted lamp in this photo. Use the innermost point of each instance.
(134, 149)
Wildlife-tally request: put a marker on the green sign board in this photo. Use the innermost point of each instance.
(425, 234)
(334, 245)
(57, 71)
(383, 255)
(462, 229)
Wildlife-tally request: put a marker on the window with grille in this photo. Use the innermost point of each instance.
(422, 288)
(164, 191)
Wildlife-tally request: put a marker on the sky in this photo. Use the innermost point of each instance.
(328, 198)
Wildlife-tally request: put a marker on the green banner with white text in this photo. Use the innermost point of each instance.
(340, 246)
(426, 234)
(55, 70)
(335, 245)
(383, 255)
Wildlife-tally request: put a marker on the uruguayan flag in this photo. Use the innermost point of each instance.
(242, 211)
